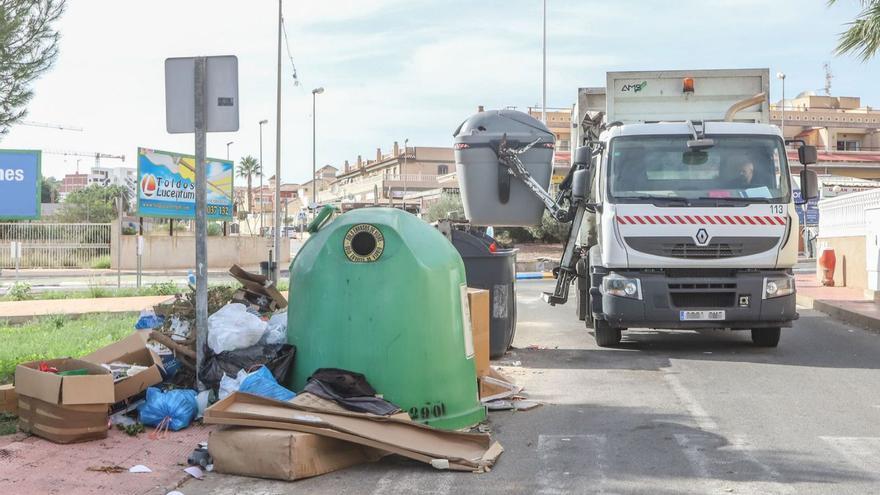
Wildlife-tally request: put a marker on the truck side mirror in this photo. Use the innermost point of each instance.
(809, 184)
(807, 154)
(582, 156)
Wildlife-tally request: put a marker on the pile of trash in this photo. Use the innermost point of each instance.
(146, 383)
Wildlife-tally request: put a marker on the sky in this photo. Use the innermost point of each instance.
(398, 69)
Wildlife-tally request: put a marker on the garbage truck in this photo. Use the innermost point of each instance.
(679, 200)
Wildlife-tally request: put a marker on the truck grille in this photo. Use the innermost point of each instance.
(686, 248)
(703, 299)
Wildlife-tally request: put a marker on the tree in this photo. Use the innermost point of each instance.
(862, 37)
(48, 189)
(249, 167)
(28, 47)
(94, 204)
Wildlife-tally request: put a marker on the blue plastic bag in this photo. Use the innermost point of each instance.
(149, 320)
(179, 406)
(263, 383)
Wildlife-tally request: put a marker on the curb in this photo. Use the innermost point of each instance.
(847, 316)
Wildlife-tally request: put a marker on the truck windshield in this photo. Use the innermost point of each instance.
(736, 168)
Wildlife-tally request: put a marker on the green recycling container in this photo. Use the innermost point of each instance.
(380, 292)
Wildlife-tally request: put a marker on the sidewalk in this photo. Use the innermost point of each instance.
(32, 465)
(841, 303)
(20, 311)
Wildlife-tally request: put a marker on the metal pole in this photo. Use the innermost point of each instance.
(119, 242)
(405, 143)
(201, 219)
(261, 177)
(275, 206)
(783, 113)
(140, 253)
(314, 157)
(544, 69)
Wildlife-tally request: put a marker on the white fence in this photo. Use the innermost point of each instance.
(55, 245)
(844, 216)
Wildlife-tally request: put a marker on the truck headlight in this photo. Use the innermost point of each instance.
(778, 286)
(618, 285)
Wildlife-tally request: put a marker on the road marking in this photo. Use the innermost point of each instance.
(572, 464)
(423, 481)
(700, 416)
(716, 463)
(861, 452)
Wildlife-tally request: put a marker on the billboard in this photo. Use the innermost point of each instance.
(167, 185)
(20, 184)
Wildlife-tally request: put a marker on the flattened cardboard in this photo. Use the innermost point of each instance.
(478, 300)
(8, 399)
(258, 284)
(62, 424)
(465, 451)
(281, 454)
(131, 350)
(94, 388)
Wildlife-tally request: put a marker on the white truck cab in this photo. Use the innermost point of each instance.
(692, 222)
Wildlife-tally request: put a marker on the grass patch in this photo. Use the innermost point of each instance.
(8, 424)
(58, 336)
(168, 288)
(101, 262)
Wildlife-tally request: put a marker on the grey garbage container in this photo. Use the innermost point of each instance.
(490, 195)
(496, 273)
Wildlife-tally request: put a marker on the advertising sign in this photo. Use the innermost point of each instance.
(167, 185)
(808, 214)
(20, 184)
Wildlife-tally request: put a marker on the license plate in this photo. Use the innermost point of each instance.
(701, 315)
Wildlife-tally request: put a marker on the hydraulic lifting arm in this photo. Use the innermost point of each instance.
(572, 192)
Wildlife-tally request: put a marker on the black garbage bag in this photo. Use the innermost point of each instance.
(277, 357)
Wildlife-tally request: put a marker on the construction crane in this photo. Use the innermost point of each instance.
(50, 125)
(97, 155)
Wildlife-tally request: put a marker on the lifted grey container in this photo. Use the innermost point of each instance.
(490, 195)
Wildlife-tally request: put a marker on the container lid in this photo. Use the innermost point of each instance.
(493, 124)
(470, 244)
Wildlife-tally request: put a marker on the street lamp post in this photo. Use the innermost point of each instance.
(315, 93)
(227, 149)
(405, 143)
(264, 121)
(781, 76)
(276, 244)
(544, 68)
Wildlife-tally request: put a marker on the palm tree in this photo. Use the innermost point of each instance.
(862, 37)
(249, 167)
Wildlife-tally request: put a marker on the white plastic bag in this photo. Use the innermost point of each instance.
(277, 330)
(228, 385)
(232, 328)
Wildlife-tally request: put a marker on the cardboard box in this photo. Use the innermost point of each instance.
(94, 388)
(478, 300)
(131, 350)
(282, 455)
(494, 386)
(62, 424)
(8, 399)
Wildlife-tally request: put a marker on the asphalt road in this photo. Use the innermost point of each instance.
(666, 413)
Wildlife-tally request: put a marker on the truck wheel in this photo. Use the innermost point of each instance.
(766, 337)
(606, 335)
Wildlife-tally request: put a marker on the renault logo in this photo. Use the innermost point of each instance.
(702, 237)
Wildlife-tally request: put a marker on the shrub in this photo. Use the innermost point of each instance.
(448, 206)
(550, 230)
(20, 291)
(167, 288)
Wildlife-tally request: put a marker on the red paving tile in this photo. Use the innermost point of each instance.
(808, 285)
(32, 465)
